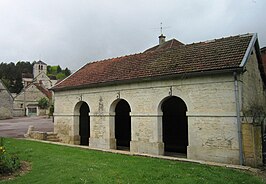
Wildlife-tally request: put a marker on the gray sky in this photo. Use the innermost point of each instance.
(73, 32)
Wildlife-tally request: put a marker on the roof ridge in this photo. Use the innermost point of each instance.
(173, 43)
(111, 58)
(43, 90)
(221, 38)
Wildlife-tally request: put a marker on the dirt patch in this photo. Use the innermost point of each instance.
(25, 168)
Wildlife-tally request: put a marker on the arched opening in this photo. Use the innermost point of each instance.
(175, 126)
(122, 125)
(84, 124)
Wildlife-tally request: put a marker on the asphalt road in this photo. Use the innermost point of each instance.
(17, 127)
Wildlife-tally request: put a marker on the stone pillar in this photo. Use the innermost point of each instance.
(75, 137)
(111, 131)
(146, 130)
(102, 131)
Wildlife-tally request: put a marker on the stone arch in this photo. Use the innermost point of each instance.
(82, 123)
(174, 125)
(120, 109)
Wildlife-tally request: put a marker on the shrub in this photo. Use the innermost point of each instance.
(43, 103)
(8, 162)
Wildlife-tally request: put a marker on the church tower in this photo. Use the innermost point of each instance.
(38, 68)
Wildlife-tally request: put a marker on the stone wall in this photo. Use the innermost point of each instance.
(6, 102)
(18, 112)
(28, 98)
(252, 87)
(211, 115)
(252, 144)
(253, 96)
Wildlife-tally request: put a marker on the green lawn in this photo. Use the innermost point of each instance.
(61, 164)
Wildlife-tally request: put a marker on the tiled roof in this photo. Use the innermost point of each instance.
(219, 54)
(41, 62)
(169, 44)
(43, 90)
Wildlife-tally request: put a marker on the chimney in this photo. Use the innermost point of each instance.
(161, 39)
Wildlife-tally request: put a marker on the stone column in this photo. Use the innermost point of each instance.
(102, 131)
(146, 134)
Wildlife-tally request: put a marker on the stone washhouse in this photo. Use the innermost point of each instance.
(187, 100)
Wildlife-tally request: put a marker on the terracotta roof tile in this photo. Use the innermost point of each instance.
(168, 44)
(219, 54)
(41, 62)
(43, 90)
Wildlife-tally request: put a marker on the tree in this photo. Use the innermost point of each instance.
(12, 74)
(43, 103)
(60, 76)
(58, 69)
(49, 70)
(67, 72)
(16, 85)
(24, 67)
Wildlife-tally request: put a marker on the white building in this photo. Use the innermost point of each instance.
(172, 99)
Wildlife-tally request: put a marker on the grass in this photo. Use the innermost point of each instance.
(61, 164)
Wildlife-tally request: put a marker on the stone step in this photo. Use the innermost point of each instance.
(54, 140)
(51, 136)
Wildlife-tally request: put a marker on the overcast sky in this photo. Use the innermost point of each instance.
(71, 33)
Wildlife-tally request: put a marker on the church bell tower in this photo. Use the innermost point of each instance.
(39, 67)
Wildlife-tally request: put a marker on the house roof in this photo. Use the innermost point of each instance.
(168, 44)
(4, 88)
(43, 90)
(213, 55)
(41, 62)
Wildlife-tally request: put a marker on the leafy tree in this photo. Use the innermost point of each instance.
(67, 72)
(16, 85)
(11, 74)
(59, 70)
(43, 103)
(60, 76)
(24, 67)
(49, 69)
